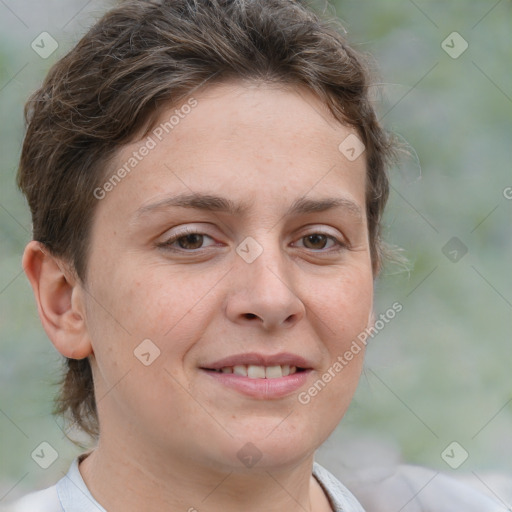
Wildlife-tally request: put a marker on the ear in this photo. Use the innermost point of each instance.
(59, 297)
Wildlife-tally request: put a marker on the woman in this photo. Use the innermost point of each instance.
(206, 180)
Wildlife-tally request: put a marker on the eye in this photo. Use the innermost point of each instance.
(187, 240)
(319, 241)
(190, 240)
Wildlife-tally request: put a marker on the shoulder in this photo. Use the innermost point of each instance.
(46, 500)
(69, 494)
(418, 489)
(340, 497)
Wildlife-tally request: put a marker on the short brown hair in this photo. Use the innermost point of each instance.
(143, 55)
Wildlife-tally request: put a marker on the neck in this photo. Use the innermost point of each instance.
(130, 480)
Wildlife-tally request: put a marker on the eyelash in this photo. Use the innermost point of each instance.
(190, 231)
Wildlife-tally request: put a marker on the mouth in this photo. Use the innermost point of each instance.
(259, 376)
(253, 371)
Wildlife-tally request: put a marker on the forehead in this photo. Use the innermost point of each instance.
(252, 114)
(240, 140)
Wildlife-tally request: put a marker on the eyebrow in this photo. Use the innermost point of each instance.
(213, 203)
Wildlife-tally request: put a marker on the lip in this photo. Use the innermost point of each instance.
(262, 389)
(258, 359)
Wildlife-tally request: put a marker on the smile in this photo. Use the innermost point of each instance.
(253, 371)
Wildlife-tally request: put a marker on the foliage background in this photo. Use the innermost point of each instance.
(441, 370)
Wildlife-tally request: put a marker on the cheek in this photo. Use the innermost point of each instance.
(128, 307)
(134, 302)
(142, 297)
(343, 307)
(343, 304)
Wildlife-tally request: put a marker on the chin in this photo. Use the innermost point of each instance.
(270, 444)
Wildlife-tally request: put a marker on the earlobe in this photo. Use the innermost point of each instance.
(59, 298)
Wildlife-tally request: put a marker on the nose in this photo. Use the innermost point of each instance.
(263, 292)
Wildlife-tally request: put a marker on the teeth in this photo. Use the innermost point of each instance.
(255, 372)
(240, 370)
(260, 372)
(273, 372)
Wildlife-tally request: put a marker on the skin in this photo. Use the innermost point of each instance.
(169, 434)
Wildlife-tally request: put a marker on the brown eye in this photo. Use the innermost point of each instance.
(322, 243)
(192, 241)
(187, 241)
(315, 241)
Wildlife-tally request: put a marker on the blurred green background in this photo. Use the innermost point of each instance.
(441, 370)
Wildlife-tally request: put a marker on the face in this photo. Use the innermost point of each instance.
(229, 270)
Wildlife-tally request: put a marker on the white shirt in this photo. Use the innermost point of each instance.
(70, 494)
